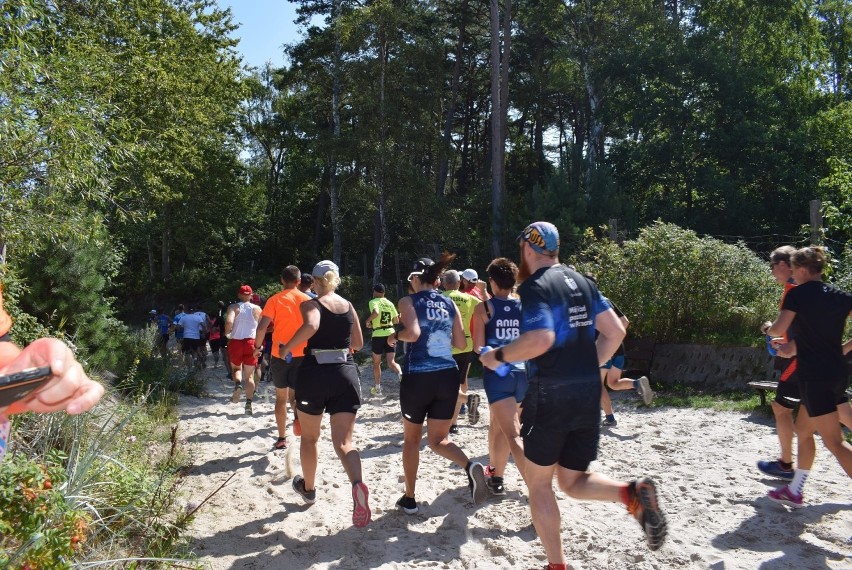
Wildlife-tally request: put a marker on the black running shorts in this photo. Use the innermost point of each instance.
(788, 393)
(573, 450)
(429, 394)
(463, 361)
(822, 396)
(332, 388)
(284, 374)
(380, 345)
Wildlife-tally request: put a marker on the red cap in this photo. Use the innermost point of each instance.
(245, 290)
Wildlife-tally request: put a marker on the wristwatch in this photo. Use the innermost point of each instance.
(498, 354)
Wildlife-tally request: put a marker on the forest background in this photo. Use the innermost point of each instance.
(142, 166)
(674, 144)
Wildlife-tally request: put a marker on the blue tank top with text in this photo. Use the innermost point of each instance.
(433, 349)
(504, 326)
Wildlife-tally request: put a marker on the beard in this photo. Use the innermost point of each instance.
(524, 270)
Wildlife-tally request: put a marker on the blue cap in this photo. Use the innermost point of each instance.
(543, 237)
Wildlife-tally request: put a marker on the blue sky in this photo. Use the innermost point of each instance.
(265, 25)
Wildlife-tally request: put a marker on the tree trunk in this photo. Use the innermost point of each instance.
(497, 160)
(167, 244)
(384, 238)
(337, 246)
(440, 183)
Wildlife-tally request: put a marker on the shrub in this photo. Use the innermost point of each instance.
(675, 286)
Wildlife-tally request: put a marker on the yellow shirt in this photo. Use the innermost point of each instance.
(465, 303)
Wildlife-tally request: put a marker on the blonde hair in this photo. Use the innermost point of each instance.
(810, 258)
(327, 283)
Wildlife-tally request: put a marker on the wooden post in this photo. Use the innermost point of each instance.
(816, 222)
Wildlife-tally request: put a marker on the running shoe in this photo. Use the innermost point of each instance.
(473, 408)
(280, 443)
(235, 397)
(644, 390)
(785, 496)
(495, 485)
(477, 483)
(609, 423)
(407, 505)
(376, 390)
(775, 469)
(462, 410)
(645, 508)
(297, 428)
(454, 429)
(310, 497)
(248, 408)
(361, 515)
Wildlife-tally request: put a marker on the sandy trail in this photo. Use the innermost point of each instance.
(703, 462)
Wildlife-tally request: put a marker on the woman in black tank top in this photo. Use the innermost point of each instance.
(328, 382)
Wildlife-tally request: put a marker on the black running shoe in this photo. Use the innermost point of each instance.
(645, 508)
(495, 485)
(407, 505)
(477, 483)
(310, 497)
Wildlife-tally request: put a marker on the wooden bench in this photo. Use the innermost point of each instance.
(638, 356)
(762, 386)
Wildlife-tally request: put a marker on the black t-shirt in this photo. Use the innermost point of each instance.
(821, 311)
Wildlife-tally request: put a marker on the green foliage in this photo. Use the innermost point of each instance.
(675, 286)
(38, 527)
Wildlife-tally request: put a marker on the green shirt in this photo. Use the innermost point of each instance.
(383, 324)
(465, 303)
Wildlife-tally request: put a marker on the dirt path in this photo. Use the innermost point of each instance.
(703, 461)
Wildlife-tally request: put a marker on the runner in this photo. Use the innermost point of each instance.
(496, 323)
(306, 284)
(464, 357)
(328, 382)
(383, 316)
(816, 314)
(178, 328)
(282, 313)
(471, 285)
(216, 325)
(612, 369)
(429, 386)
(194, 325)
(240, 328)
(561, 310)
(164, 325)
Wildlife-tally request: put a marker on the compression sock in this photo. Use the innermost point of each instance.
(798, 482)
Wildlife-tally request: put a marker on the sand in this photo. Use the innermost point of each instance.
(703, 461)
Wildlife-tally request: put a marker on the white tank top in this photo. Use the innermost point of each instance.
(244, 324)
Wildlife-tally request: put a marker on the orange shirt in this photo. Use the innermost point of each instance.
(283, 309)
(5, 319)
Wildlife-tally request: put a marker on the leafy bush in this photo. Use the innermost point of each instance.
(38, 527)
(675, 286)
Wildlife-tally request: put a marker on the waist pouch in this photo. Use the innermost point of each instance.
(331, 356)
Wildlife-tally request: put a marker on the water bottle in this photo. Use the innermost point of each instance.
(289, 358)
(504, 367)
(769, 346)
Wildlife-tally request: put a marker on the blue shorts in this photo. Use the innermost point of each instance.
(615, 362)
(512, 385)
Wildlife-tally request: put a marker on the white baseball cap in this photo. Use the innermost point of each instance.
(323, 267)
(470, 275)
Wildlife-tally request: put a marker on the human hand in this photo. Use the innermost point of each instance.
(489, 360)
(69, 388)
(784, 349)
(765, 326)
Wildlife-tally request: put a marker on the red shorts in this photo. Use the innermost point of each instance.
(241, 352)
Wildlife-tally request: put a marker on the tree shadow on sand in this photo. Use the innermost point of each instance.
(773, 528)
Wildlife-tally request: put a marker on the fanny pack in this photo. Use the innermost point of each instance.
(331, 356)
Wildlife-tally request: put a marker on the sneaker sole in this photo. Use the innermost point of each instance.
(479, 491)
(653, 521)
(473, 408)
(361, 515)
(786, 502)
(647, 393)
(235, 397)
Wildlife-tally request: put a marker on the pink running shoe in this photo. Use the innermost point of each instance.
(785, 496)
(361, 515)
(489, 471)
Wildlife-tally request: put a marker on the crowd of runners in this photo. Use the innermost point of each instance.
(551, 347)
